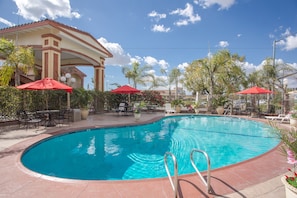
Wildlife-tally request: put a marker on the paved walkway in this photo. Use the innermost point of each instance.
(14, 141)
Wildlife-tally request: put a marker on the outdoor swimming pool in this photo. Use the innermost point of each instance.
(137, 152)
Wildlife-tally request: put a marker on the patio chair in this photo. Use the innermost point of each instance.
(151, 108)
(168, 109)
(42, 118)
(123, 108)
(28, 119)
(68, 115)
(61, 117)
(281, 117)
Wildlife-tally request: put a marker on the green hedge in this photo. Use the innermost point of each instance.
(13, 100)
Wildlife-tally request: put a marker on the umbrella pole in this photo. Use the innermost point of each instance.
(24, 100)
(46, 101)
(68, 100)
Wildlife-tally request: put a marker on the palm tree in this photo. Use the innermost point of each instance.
(156, 82)
(165, 72)
(128, 74)
(138, 74)
(16, 59)
(174, 77)
(218, 75)
(271, 76)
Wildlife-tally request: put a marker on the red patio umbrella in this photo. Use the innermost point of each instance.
(255, 90)
(126, 89)
(45, 84)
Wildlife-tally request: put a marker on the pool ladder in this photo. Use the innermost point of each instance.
(174, 183)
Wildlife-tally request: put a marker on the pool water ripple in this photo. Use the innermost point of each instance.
(137, 152)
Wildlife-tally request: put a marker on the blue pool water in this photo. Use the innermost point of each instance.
(137, 152)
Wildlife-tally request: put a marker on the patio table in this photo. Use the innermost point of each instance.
(50, 122)
(151, 108)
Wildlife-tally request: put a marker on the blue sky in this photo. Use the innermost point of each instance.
(170, 33)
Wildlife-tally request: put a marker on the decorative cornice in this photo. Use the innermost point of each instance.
(58, 26)
(51, 35)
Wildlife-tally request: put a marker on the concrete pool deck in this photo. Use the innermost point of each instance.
(258, 177)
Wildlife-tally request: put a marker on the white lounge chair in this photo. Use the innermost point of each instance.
(281, 117)
(278, 117)
(123, 108)
(168, 108)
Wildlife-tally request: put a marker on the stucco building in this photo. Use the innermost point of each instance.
(58, 48)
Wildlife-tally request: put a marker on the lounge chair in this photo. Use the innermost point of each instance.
(123, 108)
(281, 117)
(168, 109)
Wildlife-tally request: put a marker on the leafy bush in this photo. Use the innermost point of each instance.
(177, 102)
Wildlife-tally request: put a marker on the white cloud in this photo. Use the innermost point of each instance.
(248, 67)
(156, 15)
(38, 9)
(160, 28)
(154, 62)
(196, 1)
(120, 57)
(291, 42)
(223, 44)
(150, 60)
(188, 14)
(2, 20)
(183, 66)
(223, 4)
(163, 64)
(288, 41)
(151, 72)
(286, 33)
(136, 59)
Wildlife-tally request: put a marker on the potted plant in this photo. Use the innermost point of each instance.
(196, 106)
(289, 148)
(177, 104)
(81, 98)
(137, 113)
(137, 110)
(219, 103)
(293, 117)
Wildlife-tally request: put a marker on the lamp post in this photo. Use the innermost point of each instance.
(273, 51)
(284, 105)
(273, 65)
(67, 79)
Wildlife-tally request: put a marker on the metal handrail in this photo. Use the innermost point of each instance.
(173, 183)
(227, 111)
(207, 182)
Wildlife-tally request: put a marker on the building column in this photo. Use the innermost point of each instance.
(99, 76)
(51, 56)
